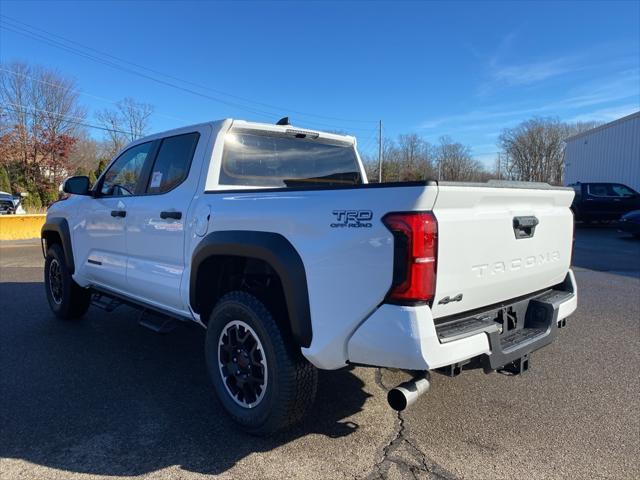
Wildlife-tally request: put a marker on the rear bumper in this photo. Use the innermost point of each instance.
(408, 338)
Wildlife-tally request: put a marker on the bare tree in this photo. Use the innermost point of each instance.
(390, 162)
(41, 115)
(415, 158)
(136, 117)
(128, 121)
(17, 112)
(454, 162)
(534, 150)
(85, 153)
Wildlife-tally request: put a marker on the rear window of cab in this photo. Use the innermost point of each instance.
(275, 160)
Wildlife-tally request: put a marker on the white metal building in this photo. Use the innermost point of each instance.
(608, 153)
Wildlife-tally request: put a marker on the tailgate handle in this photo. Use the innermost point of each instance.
(524, 227)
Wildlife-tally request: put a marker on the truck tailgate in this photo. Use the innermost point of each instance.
(497, 243)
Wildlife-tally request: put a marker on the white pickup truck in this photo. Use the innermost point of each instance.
(271, 238)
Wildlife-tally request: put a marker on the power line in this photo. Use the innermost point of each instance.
(25, 110)
(80, 92)
(56, 44)
(268, 116)
(22, 31)
(368, 143)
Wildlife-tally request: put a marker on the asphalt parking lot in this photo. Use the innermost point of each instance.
(105, 397)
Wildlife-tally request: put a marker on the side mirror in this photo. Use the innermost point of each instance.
(77, 185)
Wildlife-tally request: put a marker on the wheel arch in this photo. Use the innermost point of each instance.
(56, 230)
(271, 248)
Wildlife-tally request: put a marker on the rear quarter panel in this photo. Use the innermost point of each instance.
(348, 268)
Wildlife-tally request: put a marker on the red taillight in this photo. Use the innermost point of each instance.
(415, 256)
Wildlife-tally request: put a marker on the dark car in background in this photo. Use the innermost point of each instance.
(11, 204)
(630, 223)
(7, 204)
(601, 201)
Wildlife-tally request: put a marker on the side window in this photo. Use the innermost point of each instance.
(172, 163)
(122, 177)
(622, 190)
(598, 189)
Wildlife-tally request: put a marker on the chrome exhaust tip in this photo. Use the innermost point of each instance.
(404, 395)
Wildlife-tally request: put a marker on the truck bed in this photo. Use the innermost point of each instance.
(348, 252)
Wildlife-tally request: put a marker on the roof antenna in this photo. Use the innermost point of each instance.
(283, 121)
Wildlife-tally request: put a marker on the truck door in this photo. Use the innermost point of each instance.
(598, 202)
(101, 238)
(156, 228)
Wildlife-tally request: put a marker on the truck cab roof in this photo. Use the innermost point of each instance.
(230, 123)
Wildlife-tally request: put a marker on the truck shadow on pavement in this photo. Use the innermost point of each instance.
(106, 396)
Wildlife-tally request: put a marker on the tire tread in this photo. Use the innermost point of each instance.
(297, 377)
(78, 299)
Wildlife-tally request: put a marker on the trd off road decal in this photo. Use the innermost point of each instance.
(352, 219)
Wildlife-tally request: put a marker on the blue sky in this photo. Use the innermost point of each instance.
(466, 69)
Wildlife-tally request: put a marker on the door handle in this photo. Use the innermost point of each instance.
(118, 213)
(174, 215)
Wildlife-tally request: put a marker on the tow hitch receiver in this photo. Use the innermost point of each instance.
(517, 367)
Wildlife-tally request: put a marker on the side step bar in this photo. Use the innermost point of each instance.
(157, 322)
(105, 302)
(152, 318)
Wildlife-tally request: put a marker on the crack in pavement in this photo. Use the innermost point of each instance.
(403, 453)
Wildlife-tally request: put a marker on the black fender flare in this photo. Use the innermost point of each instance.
(60, 226)
(275, 250)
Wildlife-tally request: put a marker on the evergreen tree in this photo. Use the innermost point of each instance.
(102, 164)
(5, 184)
(80, 171)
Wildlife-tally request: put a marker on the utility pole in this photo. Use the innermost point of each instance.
(380, 152)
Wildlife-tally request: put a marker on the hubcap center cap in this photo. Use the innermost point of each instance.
(243, 359)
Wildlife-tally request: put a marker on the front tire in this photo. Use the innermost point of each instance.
(66, 298)
(262, 382)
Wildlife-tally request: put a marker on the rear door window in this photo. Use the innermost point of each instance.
(172, 163)
(599, 189)
(274, 160)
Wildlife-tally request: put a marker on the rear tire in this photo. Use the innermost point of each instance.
(66, 298)
(262, 382)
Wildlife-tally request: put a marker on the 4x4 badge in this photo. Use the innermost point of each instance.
(445, 300)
